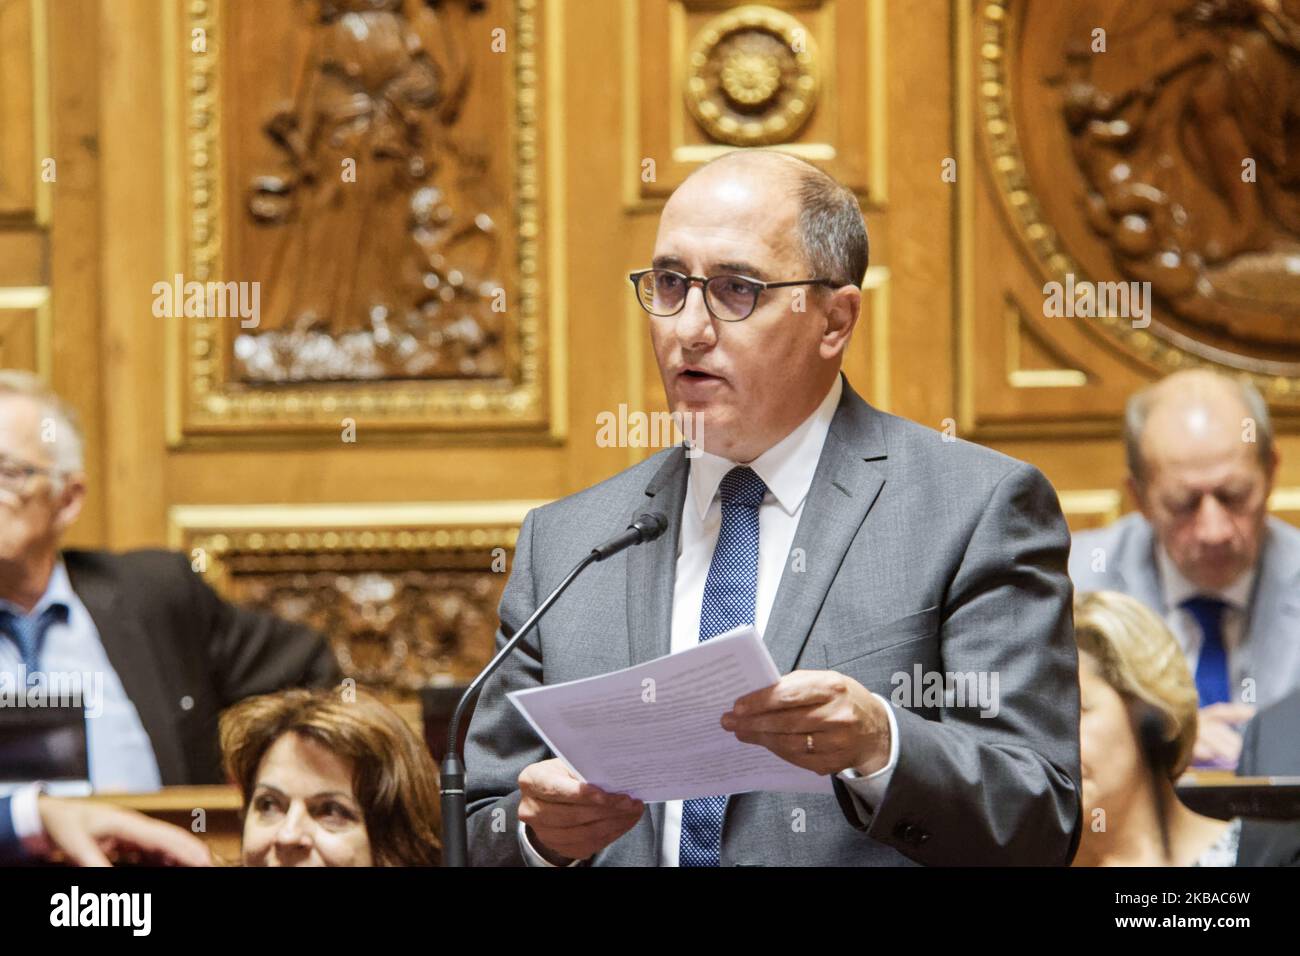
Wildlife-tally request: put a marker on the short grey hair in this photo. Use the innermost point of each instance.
(832, 232)
(67, 442)
(1138, 409)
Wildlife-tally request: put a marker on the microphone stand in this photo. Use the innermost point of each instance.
(455, 839)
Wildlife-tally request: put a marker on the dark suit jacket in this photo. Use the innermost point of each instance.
(1269, 843)
(10, 845)
(920, 553)
(1268, 749)
(1268, 746)
(183, 654)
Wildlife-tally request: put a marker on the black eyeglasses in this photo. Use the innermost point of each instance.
(15, 474)
(729, 298)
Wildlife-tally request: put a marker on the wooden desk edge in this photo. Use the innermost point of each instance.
(222, 797)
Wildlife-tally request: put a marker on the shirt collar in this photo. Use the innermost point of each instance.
(1178, 589)
(57, 591)
(787, 468)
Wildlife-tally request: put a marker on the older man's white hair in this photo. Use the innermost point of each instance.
(59, 424)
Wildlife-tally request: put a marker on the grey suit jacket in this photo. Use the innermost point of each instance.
(918, 552)
(1121, 557)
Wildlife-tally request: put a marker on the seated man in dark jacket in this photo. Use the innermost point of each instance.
(155, 653)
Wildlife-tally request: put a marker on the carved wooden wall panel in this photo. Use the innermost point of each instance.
(705, 77)
(372, 166)
(19, 163)
(24, 198)
(25, 329)
(1169, 158)
(216, 165)
(406, 594)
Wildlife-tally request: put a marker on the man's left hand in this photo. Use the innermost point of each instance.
(847, 723)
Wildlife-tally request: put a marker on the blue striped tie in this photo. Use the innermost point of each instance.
(28, 632)
(730, 594)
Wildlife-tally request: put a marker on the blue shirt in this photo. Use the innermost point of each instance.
(120, 753)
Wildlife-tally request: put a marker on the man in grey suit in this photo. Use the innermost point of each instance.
(890, 569)
(1203, 552)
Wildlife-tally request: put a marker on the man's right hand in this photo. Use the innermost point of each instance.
(86, 832)
(568, 819)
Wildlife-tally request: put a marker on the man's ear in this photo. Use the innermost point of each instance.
(842, 310)
(70, 502)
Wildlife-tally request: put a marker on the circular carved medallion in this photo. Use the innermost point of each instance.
(752, 77)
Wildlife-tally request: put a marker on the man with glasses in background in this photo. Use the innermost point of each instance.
(139, 631)
(860, 546)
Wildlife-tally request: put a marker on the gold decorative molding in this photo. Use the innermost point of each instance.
(36, 300)
(1018, 328)
(875, 288)
(406, 593)
(1090, 508)
(333, 527)
(753, 76)
(658, 122)
(205, 404)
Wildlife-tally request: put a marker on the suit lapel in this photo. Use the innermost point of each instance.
(651, 578)
(132, 655)
(1137, 568)
(847, 481)
(652, 567)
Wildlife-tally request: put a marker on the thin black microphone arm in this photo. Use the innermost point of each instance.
(646, 527)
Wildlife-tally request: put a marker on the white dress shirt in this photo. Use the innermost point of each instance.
(119, 750)
(25, 818)
(1177, 589)
(787, 469)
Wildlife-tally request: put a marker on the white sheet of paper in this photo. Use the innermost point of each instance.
(654, 731)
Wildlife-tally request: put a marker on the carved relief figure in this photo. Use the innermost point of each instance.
(1187, 130)
(387, 249)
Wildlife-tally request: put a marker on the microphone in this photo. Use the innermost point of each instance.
(455, 850)
(646, 527)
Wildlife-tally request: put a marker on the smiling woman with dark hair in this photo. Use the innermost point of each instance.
(329, 780)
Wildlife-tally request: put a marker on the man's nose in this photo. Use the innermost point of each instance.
(694, 326)
(1213, 523)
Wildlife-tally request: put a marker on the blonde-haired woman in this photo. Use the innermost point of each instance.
(1137, 729)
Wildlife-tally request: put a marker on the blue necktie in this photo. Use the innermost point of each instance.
(1212, 662)
(28, 632)
(730, 593)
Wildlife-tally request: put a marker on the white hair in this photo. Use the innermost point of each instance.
(58, 421)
